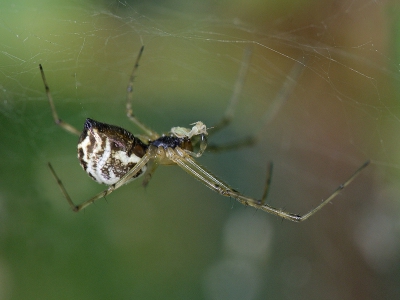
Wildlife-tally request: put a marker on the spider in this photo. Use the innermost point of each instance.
(113, 156)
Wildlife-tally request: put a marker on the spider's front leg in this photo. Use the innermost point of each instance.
(280, 99)
(191, 167)
(237, 90)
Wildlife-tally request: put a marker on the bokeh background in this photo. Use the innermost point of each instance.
(176, 239)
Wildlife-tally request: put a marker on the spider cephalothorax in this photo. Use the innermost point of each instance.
(114, 156)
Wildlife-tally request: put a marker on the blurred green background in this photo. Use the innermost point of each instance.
(176, 239)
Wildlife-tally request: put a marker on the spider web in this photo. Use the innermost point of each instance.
(343, 109)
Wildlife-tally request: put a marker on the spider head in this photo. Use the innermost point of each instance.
(107, 152)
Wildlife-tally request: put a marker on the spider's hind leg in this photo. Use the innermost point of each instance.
(111, 188)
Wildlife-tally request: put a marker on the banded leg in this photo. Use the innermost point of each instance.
(57, 120)
(192, 168)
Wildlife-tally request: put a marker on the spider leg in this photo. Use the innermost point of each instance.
(125, 179)
(284, 92)
(230, 110)
(241, 143)
(282, 96)
(195, 170)
(151, 168)
(267, 183)
(57, 120)
(152, 134)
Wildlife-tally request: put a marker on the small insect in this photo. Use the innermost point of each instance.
(113, 156)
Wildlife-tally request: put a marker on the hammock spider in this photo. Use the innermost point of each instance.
(113, 156)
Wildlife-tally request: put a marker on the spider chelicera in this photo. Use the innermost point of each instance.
(113, 156)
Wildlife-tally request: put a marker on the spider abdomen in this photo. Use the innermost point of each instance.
(108, 152)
